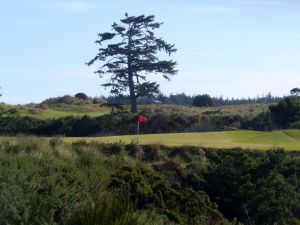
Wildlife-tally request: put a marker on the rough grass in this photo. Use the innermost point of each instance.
(288, 139)
(52, 112)
(250, 110)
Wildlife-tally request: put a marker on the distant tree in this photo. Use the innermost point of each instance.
(81, 96)
(203, 101)
(1, 109)
(295, 91)
(133, 57)
(286, 112)
(180, 99)
(162, 98)
(262, 121)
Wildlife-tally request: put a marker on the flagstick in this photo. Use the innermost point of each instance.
(138, 131)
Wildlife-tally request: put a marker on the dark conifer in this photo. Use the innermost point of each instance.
(129, 61)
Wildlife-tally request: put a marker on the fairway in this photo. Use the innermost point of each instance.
(289, 139)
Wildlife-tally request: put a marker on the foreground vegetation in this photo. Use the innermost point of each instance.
(259, 140)
(49, 182)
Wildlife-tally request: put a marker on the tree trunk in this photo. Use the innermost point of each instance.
(133, 105)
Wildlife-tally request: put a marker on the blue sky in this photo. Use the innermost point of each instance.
(233, 48)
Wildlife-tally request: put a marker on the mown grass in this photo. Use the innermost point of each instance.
(59, 112)
(288, 139)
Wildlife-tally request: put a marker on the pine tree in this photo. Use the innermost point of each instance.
(295, 91)
(129, 61)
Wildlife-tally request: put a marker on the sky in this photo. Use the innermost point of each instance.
(229, 48)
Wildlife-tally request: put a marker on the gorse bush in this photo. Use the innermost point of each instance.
(148, 189)
(36, 191)
(39, 187)
(42, 182)
(261, 188)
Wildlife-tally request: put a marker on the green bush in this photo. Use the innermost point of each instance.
(150, 190)
(81, 95)
(203, 101)
(286, 112)
(123, 124)
(95, 183)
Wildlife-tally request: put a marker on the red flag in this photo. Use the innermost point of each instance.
(142, 119)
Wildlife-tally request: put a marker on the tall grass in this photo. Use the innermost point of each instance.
(111, 210)
(39, 185)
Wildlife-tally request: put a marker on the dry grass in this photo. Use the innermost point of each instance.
(250, 110)
(49, 112)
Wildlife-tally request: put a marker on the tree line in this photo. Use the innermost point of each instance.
(188, 100)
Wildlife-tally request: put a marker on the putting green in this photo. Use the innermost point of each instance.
(287, 139)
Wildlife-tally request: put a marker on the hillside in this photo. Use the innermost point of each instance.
(249, 110)
(73, 117)
(60, 107)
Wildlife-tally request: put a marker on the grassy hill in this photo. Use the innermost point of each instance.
(50, 118)
(250, 110)
(50, 110)
(287, 139)
(59, 107)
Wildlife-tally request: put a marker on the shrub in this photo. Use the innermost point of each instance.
(286, 111)
(187, 185)
(150, 190)
(263, 121)
(81, 96)
(203, 101)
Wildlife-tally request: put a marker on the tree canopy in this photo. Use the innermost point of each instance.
(132, 57)
(81, 95)
(203, 101)
(295, 91)
(286, 112)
